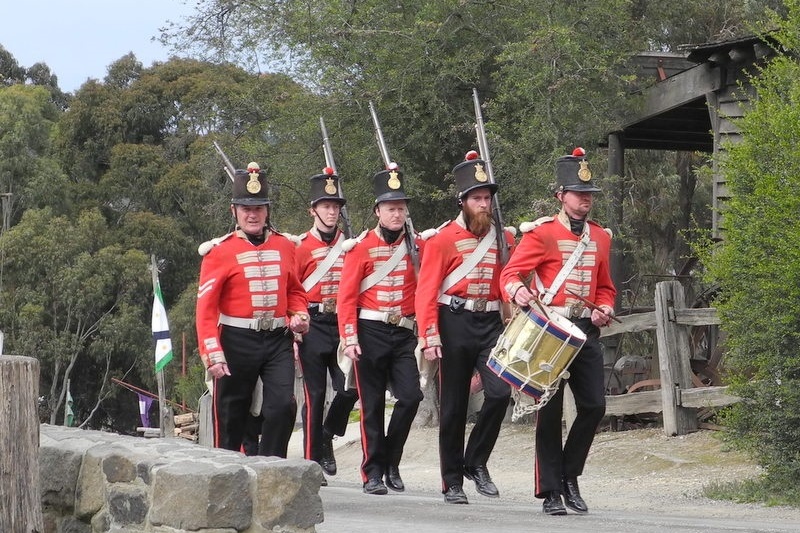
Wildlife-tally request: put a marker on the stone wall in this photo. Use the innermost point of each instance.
(93, 481)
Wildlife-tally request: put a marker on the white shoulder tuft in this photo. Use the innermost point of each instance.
(525, 227)
(512, 230)
(349, 244)
(207, 246)
(296, 239)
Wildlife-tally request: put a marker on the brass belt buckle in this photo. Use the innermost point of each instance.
(393, 319)
(328, 305)
(480, 305)
(575, 310)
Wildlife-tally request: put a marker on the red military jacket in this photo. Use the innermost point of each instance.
(547, 247)
(240, 279)
(444, 252)
(393, 294)
(311, 251)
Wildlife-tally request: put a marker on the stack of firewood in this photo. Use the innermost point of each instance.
(186, 426)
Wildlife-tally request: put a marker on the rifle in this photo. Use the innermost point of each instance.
(483, 148)
(326, 148)
(230, 170)
(411, 244)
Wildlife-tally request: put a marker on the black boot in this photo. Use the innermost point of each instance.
(572, 496)
(553, 505)
(328, 461)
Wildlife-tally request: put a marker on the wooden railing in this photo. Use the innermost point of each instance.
(678, 399)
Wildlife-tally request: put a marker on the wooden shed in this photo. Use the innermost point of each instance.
(692, 103)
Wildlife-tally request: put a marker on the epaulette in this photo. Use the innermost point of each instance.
(607, 230)
(206, 247)
(525, 227)
(349, 244)
(512, 230)
(430, 232)
(296, 239)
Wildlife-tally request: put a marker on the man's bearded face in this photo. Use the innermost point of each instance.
(477, 208)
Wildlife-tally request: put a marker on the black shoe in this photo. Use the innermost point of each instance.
(455, 494)
(572, 496)
(553, 505)
(324, 482)
(483, 481)
(328, 461)
(393, 479)
(375, 486)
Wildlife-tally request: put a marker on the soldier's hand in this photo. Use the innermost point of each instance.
(353, 351)
(218, 370)
(602, 316)
(523, 296)
(432, 353)
(299, 323)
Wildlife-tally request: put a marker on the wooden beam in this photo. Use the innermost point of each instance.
(631, 324)
(673, 359)
(697, 317)
(634, 403)
(680, 89)
(701, 397)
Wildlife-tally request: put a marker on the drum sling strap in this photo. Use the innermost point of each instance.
(550, 293)
(470, 262)
(325, 265)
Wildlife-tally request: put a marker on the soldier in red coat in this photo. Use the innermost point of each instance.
(378, 331)
(248, 299)
(547, 253)
(458, 313)
(319, 261)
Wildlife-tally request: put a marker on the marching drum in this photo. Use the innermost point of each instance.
(534, 351)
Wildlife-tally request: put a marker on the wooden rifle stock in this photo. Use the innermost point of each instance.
(483, 147)
(329, 161)
(411, 243)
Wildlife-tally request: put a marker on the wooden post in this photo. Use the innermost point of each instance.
(20, 501)
(673, 359)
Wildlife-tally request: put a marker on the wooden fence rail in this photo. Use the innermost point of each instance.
(677, 398)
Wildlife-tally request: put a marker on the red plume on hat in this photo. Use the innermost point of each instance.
(472, 154)
(579, 152)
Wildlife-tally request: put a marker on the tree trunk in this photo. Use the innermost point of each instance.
(20, 503)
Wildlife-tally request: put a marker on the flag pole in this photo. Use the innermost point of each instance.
(162, 407)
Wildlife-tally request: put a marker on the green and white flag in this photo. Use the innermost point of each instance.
(161, 329)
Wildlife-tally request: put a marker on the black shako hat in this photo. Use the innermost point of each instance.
(573, 174)
(471, 174)
(388, 185)
(250, 186)
(325, 186)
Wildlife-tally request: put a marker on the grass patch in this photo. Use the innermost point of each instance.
(759, 490)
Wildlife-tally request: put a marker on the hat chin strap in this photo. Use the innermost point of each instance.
(319, 218)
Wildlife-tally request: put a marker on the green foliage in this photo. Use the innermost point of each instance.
(758, 267)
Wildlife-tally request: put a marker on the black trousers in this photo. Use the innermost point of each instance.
(554, 461)
(317, 360)
(467, 339)
(387, 359)
(251, 354)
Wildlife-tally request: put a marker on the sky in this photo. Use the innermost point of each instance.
(79, 39)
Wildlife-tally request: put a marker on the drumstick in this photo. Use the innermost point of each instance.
(590, 304)
(536, 299)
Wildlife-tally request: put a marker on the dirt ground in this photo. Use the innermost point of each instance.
(641, 470)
